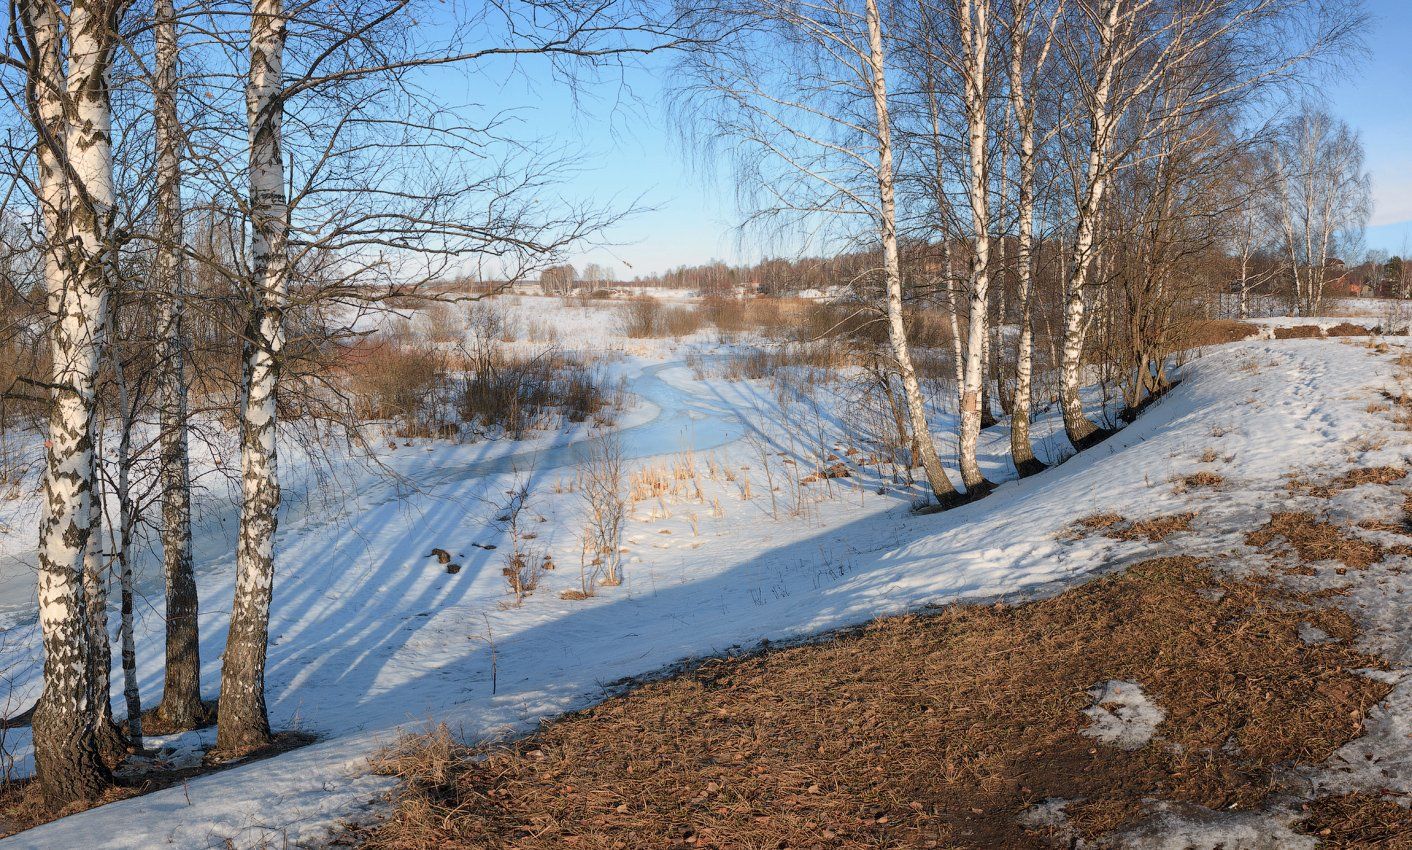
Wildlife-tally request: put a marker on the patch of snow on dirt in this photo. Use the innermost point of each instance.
(1185, 827)
(1122, 715)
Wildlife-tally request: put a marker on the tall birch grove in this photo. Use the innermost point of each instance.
(1007, 200)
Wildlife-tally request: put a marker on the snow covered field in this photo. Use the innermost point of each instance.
(370, 637)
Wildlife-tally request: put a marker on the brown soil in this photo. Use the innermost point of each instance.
(918, 731)
(1316, 540)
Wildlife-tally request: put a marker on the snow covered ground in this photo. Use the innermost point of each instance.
(370, 638)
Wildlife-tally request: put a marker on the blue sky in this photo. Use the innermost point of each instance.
(629, 153)
(1377, 100)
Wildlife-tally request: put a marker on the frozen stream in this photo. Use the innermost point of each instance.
(679, 420)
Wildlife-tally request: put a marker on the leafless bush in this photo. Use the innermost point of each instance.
(525, 563)
(520, 393)
(488, 322)
(601, 486)
(396, 379)
(645, 317)
(442, 323)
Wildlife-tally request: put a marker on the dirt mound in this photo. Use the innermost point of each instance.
(1350, 329)
(1298, 332)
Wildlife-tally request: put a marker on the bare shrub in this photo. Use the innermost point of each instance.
(601, 486)
(489, 322)
(525, 562)
(442, 323)
(520, 393)
(397, 379)
(644, 317)
(541, 331)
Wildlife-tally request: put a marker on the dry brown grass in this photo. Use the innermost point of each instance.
(1350, 329)
(1196, 480)
(1155, 528)
(1370, 475)
(1357, 477)
(1315, 540)
(1362, 821)
(919, 731)
(1095, 522)
(1152, 529)
(1199, 333)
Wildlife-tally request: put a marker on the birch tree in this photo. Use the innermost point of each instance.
(181, 706)
(1025, 69)
(1115, 52)
(244, 722)
(974, 27)
(1322, 195)
(802, 89)
(70, 112)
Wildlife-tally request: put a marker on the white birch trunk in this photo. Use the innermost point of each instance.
(181, 707)
(243, 721)
(1021, 447)
(67, 763)
(1083, 432)
(975, 34)
(941, 485)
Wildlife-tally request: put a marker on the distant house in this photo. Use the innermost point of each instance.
(1342, 282)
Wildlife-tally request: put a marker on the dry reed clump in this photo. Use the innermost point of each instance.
(923, 731)
(822, 359)
(1315, 540)
(677, 479)
(1299, 332)
(644, 317)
